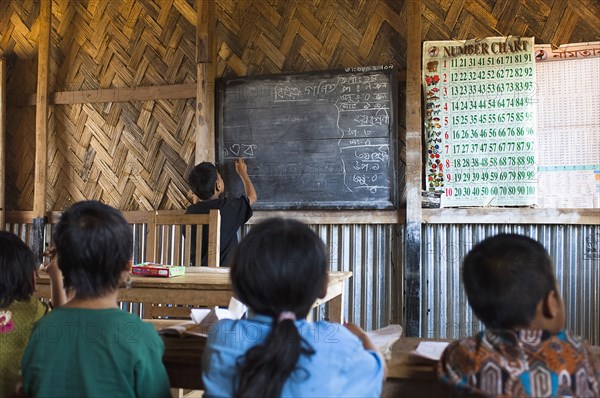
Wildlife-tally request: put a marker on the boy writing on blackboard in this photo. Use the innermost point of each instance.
(524, 350)
(208, 187)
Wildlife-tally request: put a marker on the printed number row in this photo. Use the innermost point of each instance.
(511, 190)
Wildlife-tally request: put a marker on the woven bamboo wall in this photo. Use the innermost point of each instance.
(550, 21)
(134, 155)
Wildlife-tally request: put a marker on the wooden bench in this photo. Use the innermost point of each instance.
(177, 234)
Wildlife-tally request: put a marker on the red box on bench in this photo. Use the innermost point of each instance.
(155, 269)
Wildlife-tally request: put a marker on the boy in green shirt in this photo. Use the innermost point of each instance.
(89, 347)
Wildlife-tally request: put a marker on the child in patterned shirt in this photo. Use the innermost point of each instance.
(524, 351)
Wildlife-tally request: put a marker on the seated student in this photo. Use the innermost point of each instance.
(89, 347)
(524, 351)
(19, 309)
(279, 270)
(208, 189)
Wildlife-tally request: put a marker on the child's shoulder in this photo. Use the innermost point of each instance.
(569, 337)
(30, 305)
(101, 316)
(257, 329)
(463, 348)
(329, 336)
(225, 328)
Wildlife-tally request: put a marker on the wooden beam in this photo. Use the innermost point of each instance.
(511, 216)
(205, 97)
(205, 21)
(126, 94)
(412, 252)
(19, 217)
(2, 142)
(41, 132)
(41, 113)
(401, 76)
(322, 217)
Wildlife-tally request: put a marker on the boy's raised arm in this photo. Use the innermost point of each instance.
(58, 293)
(242, 169)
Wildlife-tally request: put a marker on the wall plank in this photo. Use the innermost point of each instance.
(41, 118)
(2, 141)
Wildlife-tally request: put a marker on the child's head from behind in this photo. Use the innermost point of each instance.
(280, 265)
(279, 268)
(94, 245)
(203, 180)
(509, 281)
(17, 269)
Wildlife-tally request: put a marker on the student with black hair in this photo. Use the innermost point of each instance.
(208, 190)
(279, 270)
(89, 347)
(524, 350)
(19, 309)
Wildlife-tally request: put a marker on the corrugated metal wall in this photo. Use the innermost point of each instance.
(574, 248)
(371, 252)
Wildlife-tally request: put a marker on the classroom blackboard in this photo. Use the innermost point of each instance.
(318, 140)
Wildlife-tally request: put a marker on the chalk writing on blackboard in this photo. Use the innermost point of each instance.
(318, 140)
(289, 92)
(366, 101)
(235, 150)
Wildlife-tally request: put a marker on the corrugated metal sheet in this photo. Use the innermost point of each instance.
(574, 248)
(370, 252)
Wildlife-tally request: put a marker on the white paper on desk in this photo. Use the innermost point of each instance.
(430, 349)
(385, 338)
(235, 310)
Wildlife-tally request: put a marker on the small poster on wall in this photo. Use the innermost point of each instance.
(480, 121)
(568, 128)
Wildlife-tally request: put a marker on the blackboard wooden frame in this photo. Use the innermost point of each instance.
(297, 132)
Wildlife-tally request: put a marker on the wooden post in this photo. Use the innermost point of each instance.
(2, 142)
(205, 98)
(412, 252)
(41, 129)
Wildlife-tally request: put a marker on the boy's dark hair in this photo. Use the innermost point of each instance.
(505, 278)
(94, 245)
(202, 180)
(17, 269)
(280, 265)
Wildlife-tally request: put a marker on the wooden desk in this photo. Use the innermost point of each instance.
(411, 376)
(408, 375)
(204, 287)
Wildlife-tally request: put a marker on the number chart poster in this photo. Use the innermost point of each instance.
(480, 123)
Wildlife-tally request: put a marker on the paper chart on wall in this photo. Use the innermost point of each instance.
(480, 121)
(568, 109)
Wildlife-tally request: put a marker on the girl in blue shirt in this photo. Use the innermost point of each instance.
(279, 270)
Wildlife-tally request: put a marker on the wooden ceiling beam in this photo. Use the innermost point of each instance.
(126, 94)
